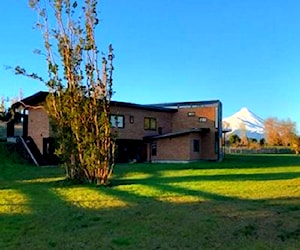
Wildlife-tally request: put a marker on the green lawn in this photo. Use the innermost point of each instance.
(245, 202)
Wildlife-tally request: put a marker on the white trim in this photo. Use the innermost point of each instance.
(28, 150)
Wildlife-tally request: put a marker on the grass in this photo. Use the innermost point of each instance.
(245, 202)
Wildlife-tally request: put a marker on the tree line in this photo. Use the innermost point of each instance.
(277, 133)
(6, 103)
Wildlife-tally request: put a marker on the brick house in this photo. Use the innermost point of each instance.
(167, 132)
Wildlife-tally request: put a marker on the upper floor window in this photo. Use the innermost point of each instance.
(202, 119)
(117, 121)
(150, 123)
(131, 119)
(191, 114)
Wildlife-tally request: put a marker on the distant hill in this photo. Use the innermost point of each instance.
(245, 120)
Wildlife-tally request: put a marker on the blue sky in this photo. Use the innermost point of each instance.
(245, 53)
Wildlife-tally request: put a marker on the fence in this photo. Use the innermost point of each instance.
(230, 150)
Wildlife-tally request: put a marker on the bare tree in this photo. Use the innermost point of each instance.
(296, 144)
(279, 132)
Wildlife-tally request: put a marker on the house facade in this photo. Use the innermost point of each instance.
(167, 132)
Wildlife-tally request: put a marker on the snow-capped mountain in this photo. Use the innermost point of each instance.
(245, 121)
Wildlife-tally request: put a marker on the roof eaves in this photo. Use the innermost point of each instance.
(180, 133)
(142, 106)
(32, 100)
(184, 104)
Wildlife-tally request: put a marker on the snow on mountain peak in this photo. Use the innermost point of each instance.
(244, 119)
(244, 110)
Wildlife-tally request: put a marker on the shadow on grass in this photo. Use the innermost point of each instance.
(218, 177)
(144, 220)
(214, 221)
(238, 162)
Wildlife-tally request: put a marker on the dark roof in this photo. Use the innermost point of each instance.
(226, 130)
(187, 104)
(33, 99)
(142, 106)
(179, 133)
(40, 96)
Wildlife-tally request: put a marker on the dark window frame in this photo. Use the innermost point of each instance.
(131, 119)
(148, 123)
(202, 119)
(191, 114)
(116, 125)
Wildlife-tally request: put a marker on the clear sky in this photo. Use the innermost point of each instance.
(245, 53)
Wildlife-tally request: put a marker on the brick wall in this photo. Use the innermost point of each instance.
(207, 147)
(38, 124)
(181, 148)
(136, 130)
(181, 120)
(196, 155)
(173, 149)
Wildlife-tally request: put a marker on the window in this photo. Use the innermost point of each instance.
(131, 119)
(149, 123)
(153, 149)
(117, 121)
(202, 119)
(191, 114)
(196, 145)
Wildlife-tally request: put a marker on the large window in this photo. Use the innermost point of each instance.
(117, 121)
(149, 123)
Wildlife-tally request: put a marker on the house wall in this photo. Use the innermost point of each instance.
(172, 149)
(196, 155)
(178, 148)
(181, 148)
(181, 120)
(207, 147)
(38, 126)
(135, 130)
